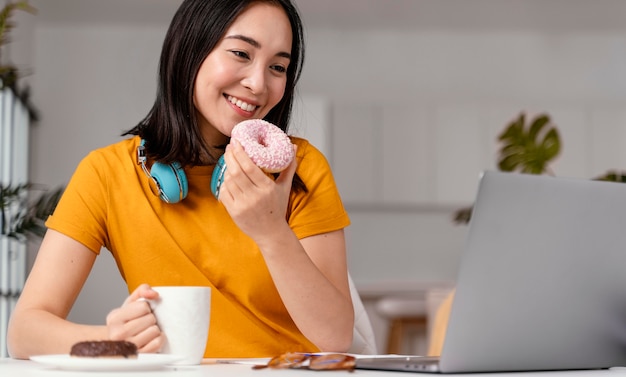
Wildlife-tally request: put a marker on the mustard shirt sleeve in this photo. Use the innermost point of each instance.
(321, 209)
(81, 211)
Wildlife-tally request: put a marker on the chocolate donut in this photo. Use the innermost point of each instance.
(105, 348)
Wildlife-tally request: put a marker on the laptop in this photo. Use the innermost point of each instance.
(542, 280)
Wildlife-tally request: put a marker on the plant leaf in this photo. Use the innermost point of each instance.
(613, 176)
(538, 124)
(528, 149)
(20, 216)
(5, 16)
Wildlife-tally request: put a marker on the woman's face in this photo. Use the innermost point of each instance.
(245, 75)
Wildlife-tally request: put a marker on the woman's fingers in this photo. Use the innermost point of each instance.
(134, 321)
(241, 172)
(153, 344)
(123, 322)
(143, 291)
(147, 338)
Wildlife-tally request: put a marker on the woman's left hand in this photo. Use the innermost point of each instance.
(256, 202)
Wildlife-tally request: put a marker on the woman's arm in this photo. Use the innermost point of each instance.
(310, 274)
(38, 324)
(311, 277)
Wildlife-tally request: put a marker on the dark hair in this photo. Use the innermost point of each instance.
(170, 129)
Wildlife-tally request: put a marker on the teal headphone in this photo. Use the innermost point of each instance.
(169, 180)
(218, 177)
(166, 180)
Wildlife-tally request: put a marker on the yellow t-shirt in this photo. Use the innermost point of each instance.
(108, 202)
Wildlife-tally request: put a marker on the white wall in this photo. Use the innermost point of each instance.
(411, 119)
(421, 112)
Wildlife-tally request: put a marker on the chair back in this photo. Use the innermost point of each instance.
(363, 341)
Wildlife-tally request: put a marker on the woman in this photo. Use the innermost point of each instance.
(272, 248)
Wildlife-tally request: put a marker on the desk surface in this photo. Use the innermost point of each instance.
(10, 367)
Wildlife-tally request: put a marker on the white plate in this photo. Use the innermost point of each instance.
(145, 361)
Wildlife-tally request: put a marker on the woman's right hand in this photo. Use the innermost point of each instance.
(135, 322)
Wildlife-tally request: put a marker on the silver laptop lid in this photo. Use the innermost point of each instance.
(542, 283)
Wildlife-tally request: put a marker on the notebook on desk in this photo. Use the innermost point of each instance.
(542, 280)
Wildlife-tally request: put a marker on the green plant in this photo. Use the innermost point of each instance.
(8, 72)
(612, 176)
(529, 149)
(526, 148)
(21, 215)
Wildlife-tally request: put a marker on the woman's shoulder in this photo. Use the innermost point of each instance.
(110, 159)
(311, 161)
(306, 149)
(299, 141)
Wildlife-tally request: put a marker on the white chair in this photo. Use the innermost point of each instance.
(363, 339)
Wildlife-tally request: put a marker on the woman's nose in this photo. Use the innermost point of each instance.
(255, 80)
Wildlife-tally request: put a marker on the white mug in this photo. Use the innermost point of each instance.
(183, 315)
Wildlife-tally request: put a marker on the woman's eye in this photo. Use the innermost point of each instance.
(241, 54)
(279, 68)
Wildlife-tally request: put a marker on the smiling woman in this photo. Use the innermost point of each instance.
(272, 248)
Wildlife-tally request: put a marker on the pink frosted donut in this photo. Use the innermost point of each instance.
(267, 145)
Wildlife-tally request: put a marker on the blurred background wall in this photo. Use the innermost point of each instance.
(405, 97)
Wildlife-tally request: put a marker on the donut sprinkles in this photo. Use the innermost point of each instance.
(268, 146)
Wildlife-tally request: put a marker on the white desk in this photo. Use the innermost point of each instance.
(24, 368)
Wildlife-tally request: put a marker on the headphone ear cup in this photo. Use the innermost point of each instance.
(218, 177)
(172, 181)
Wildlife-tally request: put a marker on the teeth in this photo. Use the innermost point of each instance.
(241, 104)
